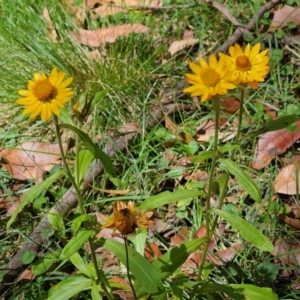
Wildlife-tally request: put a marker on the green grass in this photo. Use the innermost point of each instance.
(133, 73)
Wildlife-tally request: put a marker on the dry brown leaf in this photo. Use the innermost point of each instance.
(79, 11)
(152, 251)
(230, 105)
(51, 32)
(290, 221)
(283, 16)
(179, 132)
(285, 181)
(96, 38)
(222, 257)
(273, 143)
(182, 44)
(129, 128)
(188, 34)
(206, 130)
(180, 237)
(288, 251)
(30, 160)
(27, 274)
(108, 10)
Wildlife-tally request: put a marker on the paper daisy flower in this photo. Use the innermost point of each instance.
(210, 79)
(249, 66)
(45, 94)
(126, 219)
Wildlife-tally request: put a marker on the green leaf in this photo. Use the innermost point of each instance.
(168, 263)
(220, 183)
(273, 125)
(85, 157)
(75, 244)
(65, 117)
(56, 220)
(27, 257)
(220, 288)
(228, 148)
(76, 223)
(147, 279)
(167, 198)
(139, 240)
(252, 292)
(97, 152)
(204, 155)
(78, 262)
(246, 230)
(69, 287)
(244, 180)
(33, 193)
(44, 263)
(95, 292)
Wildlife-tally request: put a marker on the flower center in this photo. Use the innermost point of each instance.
(44, 90)
(243, 63)
(210, 76)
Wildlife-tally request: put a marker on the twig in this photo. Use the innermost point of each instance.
(240, 31)
(64, 205)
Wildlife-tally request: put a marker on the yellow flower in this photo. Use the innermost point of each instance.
(126, 219)
(46, 94)
(210, 79)
(249, 66)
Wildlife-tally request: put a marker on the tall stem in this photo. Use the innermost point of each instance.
(100, 275)
(209, 231)
(127, 268)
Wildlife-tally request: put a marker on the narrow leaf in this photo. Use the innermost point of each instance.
(78, 262)
(97, 152)
(204, 155)
(69, 287)
(168, 263)
(253, 292)
(146, 276)
(85, 157)
(168, 197)
(95, 292)
(33, 193)
(56, 220)
(44, 263)
(75, 244)
(244, 180)
(246, 230)
(273, 125)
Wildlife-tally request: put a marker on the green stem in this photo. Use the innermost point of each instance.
(127, 268)
(216, 104)
(210, 232)
(100, 275)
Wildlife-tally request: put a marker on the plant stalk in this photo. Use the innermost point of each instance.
(101, 279)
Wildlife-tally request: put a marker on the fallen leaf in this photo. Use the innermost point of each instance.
(27, 274)
(51, 32)
(206, 130)
(179, 132)
(152, 251)
(230, 105)
(180, 237)
(182, 44)
(285, 182)
(96, 38)
(295, 223)
(283, 16)
(30, 160)
(288, 251)
(78, 10)
(273, 143)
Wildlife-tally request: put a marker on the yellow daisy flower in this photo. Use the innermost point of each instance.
(126, 219)
(46, 94)
(249, 66)
(210, 79)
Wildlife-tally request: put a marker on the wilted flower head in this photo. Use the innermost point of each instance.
(210, 79)
(249, 66)
(46, 94)
(126, 219)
